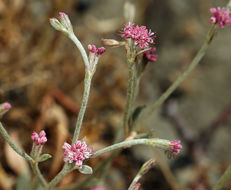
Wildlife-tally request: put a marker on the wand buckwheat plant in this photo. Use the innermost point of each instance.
(138, 42)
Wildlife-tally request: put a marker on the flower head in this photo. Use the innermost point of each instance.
(150, 55)
(4, 108)
(63, 24)
(175, 146)
(221, 16)
(39, 139)
(77, 153)
(140, 34)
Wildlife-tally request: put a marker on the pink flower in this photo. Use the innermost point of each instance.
(7, 106)
(137, 186)
(150, 55)
(221, 16)
(175, 146)
(96, 51)
(77, 153)
(140, 34)
(39, 139)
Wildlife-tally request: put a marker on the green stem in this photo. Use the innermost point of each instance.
(223, 179)
(67, 168)
(81, 49)
(161, 143)
(11, 143)
(130, 97)
(143, 170)
(38, 174)
(181, 78)
(87, 85)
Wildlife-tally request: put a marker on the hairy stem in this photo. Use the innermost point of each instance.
(223, 179)
(153, 142)
(130, 97)
(81, 49)
(67, 168)
(6, 136)
(38, 174)
(87, 85)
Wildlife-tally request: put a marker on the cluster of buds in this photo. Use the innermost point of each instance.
(140, 34)
(175, 146)
(39, 139)
(77, 153)
(221, 16)
(64, 25)
(94, 55)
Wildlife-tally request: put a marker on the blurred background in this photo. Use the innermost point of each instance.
(41, 75)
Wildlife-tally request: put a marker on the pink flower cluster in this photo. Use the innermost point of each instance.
(96, 51)
(175, 146)
(150, 55)
(140, 34)
(39, 139)
(221, 16)
(77, 153)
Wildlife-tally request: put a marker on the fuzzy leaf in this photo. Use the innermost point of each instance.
(85, 169)
(44, 157)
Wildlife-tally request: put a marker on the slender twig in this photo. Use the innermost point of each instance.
(223, 179)
(181, 78)
(38, 174)
(67, 168)
(161, 143)
(81, 48)
(143, 170)
(6, 136)
(87, 85)
(130, 96)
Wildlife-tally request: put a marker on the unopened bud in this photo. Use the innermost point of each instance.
(112, 43)
(4, 108)
(64, 25)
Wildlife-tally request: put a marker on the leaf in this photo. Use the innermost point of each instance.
(44, 157)
(85, 169)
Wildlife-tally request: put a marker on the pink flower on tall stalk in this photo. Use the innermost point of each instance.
(221, 16)
(150, 55)
(140, 34)
(39, 139)
(77, 153)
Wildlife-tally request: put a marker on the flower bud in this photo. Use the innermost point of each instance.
(111, 42)
(4, 108)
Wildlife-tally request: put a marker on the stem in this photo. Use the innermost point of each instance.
(181, 78)
(67, 168)
(87, 85)
(154, 142)
(11, 143)
(38, 174)
(81, 49)
(143, 170)
(223, 179)
(130, 97)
